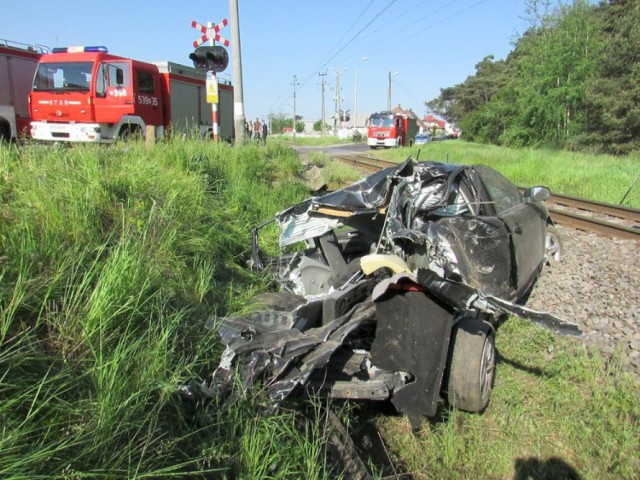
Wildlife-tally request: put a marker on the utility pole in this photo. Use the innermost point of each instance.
(295, 82)
(389, 90)
(322, 120)
(355, 100)
(238, 99)
(337, 72)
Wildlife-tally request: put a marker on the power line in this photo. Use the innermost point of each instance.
(419, 20)
(440, 22)
(319, 67)
(377, 15)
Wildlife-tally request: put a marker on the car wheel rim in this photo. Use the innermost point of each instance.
(487, 368)
(552, 246)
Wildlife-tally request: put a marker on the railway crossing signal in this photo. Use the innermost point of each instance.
(210, 33)
(212, 58)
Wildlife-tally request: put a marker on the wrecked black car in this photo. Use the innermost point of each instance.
(392, 288)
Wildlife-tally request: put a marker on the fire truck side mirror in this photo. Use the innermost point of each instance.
(212, 58)
(119, 77)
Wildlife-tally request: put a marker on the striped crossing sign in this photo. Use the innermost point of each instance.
(210, 33)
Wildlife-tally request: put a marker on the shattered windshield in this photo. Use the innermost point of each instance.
(63, 77)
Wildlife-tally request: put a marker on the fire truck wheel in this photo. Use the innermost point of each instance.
(5, 133)
(399, 142)
(128, 133)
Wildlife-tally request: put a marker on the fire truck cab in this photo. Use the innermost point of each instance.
(85, 94)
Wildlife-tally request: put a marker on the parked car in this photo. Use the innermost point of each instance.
(392, 288)
(422, 138)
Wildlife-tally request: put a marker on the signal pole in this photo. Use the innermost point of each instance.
(337, 72)
(238, 99)
(214, 105)
(295, 82)
(389, 90)
(322, 76)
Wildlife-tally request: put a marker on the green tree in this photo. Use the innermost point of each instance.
(279, 122)
(454, 103)
(613, 109)
(561, 85)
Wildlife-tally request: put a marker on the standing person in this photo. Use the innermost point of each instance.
(256, 129)
(264, 132)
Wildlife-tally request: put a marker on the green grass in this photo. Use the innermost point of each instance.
(599, 177)
(335, 174)
(111, 261)
(555, 409)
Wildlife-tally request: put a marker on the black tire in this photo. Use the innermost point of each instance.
(553, 247)
(471, 368)
(130, 133)
(5, 133)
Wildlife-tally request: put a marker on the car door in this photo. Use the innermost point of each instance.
(523, 221)
(481, 242)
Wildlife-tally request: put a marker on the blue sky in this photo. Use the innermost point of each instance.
(432, 44)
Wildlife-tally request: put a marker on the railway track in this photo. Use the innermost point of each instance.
(601, 218)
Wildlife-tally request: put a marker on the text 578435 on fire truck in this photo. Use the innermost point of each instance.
(85, 94)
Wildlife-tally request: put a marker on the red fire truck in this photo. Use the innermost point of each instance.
(85, 94)
(388, 129)
(18, 63)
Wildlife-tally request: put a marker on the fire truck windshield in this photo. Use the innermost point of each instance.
(63, 77)
(381, 121)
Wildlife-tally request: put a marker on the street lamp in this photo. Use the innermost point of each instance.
(355, 100)
(389, 90)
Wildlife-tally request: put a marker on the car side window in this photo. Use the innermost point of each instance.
(504, 194)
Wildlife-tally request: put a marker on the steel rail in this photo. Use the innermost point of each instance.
(599, 208)
(595, 225)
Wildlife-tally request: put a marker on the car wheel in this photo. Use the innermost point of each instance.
(471, 369)
(553, 247)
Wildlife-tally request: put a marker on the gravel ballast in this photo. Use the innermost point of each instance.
(596, 284)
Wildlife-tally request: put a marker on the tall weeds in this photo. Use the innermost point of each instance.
(111, 260)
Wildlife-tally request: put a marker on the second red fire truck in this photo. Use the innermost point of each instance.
(18, 63)
(85, 94)
(388, 129)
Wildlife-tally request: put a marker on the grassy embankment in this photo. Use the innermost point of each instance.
(111, 260)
